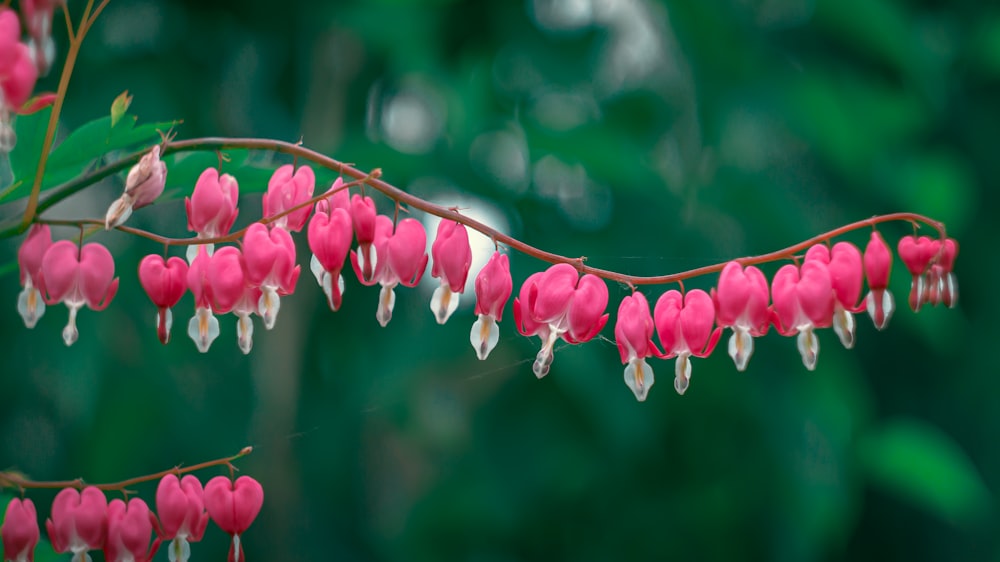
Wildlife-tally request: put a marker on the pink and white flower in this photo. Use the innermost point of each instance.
(78, 277)
(684, 326)
(493, 287)
(452, 258)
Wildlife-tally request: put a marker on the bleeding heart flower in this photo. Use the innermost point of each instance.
(288, 188)
(452, 258)
(165, 282)
(203, 327)
(78, 277)
(30, 304)
(212, 207)
(804, 301)
(741, 304)
(558, 303)
(270, 264)
(143, 185)
(493, 288)
(129, 530)
(634, 337)
(878, 265)
(329, 237)
(79, 521)
(233, 506)
(364, 218)
(684, 326)
(19, 531)
(233, 292)
(183, 518)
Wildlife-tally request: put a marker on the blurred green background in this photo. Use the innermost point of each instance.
(651, 137)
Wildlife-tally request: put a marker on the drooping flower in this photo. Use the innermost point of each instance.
(846, 271)
(78, 277)
(165, 282)
(203, 327)
(233, 292)
(365, 221)
(269, 256)
(212, 207)
(38, 17)
(144, 183)
(329, 237)
(803, 301)
(930, 262)
(741, 304)
(288, 188)
(452, 258)
(634, 337)
(878, 265)
(183, 518)
(30, 304)
(79, 522)
(19, 531)
(402, 259)
(493, 287)
(233, 506)
(559, 303)
(18, 74)
(130, 527)
(684, 326)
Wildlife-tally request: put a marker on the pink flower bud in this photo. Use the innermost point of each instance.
(493, 288)
(211, 209)
(878, 265)
(233, 506)
(165, 283)
(269, 257)
(129, 530)
(19, 531)
(634, 337)
(30, 304)
(329, 237)
(144, 183)
(78, 277)
(79, 521)
(684, 326)
(181, 508)
(452, 259)
(288, 188)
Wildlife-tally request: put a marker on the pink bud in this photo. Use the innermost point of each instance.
(329, 237)
(129, 530)
(146, 179)
(288, 188)
(77, 277)
(181, 508)
(233, 506)
(19, 531)
(165, 283)
(211, 209)
(79, 521)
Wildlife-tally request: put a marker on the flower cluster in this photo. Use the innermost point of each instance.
(82, 521)
(256, 266)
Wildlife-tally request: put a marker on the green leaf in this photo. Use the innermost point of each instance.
(918, 462)
(119, 107)
(30, 130)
